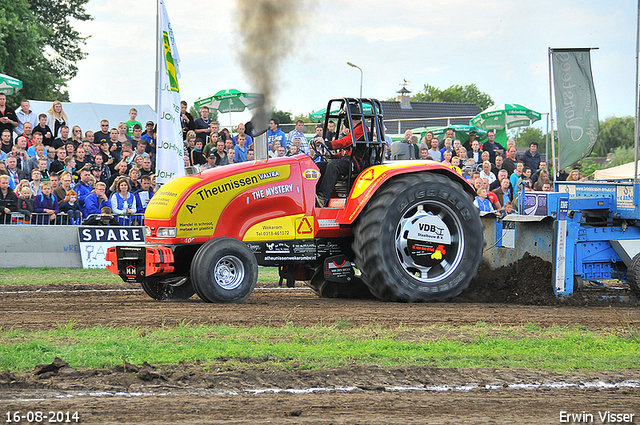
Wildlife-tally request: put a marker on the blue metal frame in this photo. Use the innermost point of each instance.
(582, 246)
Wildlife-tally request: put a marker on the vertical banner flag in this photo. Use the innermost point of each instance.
(170, 148)
(576, 104)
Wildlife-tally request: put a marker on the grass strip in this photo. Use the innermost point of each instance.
(48, 275)
(290, 347)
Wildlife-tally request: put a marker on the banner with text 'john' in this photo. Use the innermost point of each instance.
(170, 149)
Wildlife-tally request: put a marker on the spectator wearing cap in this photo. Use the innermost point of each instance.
(100, 172)
(211, 161)
(150, 137)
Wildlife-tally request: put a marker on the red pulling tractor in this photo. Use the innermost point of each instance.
(409, 227)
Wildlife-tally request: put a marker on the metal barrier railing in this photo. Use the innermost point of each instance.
(122, 219)
(16, 218)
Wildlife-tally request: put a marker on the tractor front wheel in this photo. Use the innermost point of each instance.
(224, 270)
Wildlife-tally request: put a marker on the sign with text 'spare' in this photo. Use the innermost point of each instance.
(95, 240)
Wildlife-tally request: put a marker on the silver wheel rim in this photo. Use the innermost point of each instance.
(229, 272)
(450, 261)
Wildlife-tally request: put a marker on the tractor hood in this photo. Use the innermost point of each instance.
(225, 200)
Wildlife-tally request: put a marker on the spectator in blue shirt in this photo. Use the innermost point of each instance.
(240, 148)
(482, 202)
(95, 201)
(275, 134)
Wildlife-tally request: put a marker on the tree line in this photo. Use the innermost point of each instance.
(39, 46)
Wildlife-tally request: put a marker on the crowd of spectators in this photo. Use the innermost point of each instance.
(50, 173)
(498, 173)
(53, 174)
(208, 146)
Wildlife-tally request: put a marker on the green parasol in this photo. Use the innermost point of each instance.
(9, 85)
(504, 116)
(461, 132)
(231, 100)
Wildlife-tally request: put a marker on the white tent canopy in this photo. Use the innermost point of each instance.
(88, 115)
(621, 172)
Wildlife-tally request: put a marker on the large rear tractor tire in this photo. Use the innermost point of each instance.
(224, 270)
(633, 275)
(419, 239)
(175, 289)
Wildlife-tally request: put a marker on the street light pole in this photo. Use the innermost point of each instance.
(361, 75)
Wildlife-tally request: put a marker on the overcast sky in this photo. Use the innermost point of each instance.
(499, 45)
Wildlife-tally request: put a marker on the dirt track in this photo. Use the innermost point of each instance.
(46, 308)
(186, 394)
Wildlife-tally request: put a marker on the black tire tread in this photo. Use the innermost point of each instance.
(204, 261)
(356, 289)
(372, 224)
(633, 275)
(164, 291)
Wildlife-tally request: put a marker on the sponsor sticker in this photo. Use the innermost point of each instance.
(311, 174)
(430, 229)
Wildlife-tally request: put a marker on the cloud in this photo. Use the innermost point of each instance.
(475, 35)
(500, 45)
(387, 33)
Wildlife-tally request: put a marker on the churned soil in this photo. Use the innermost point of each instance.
(528, 282)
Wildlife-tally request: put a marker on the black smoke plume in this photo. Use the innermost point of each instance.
(269, 30)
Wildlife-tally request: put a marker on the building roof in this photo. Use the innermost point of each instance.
(393, 111)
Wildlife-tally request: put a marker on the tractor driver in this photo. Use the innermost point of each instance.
(331, 169)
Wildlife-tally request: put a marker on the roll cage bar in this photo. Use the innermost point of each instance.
(371, 147)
